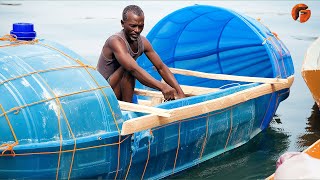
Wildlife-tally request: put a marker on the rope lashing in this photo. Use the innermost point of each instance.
(9, 148)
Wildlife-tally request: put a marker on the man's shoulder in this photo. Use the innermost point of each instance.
(114, 36)
(114, 39)
(143, 38)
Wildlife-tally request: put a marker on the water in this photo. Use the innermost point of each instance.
(83, 26)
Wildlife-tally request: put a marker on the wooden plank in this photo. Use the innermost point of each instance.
(188, 90)
(196, 90)
(144, 102)
(143, 92)
(151, 121)
(156, 96)
(144, 109)
(228, 77)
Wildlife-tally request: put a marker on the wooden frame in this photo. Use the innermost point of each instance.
(188, 90)
(228, 77)
(144, 109)
(157, 96)
(153, 120)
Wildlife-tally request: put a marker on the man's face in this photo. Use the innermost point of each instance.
(133, 26)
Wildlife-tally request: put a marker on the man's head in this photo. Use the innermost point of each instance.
(132, 22)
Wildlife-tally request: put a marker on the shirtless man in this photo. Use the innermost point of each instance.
(117, 62)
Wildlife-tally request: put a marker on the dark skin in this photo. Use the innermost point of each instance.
(122, 80)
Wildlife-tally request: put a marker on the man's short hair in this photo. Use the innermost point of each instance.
(131, 8)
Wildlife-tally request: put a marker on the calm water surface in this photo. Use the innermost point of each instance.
(83, 26)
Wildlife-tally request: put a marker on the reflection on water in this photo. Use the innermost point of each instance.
(254, 160)
(312, 129)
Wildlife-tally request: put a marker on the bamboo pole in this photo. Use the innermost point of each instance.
(152, 120)
(228, 77)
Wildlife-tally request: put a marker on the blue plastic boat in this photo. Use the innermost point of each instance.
(59, 118)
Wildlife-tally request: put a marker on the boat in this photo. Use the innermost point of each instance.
(61, 120)
(311, 69)
(312, 158)
(314, 150)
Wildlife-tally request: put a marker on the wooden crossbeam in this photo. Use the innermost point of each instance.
(144, 109)
(228, 77)
(196, 90)
(188, 91)
(143, 92)
(152, 120)
(157, 96)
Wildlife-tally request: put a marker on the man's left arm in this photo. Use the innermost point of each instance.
(162, 68)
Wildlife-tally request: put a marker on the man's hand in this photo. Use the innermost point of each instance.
(180, 95)
(168, 92)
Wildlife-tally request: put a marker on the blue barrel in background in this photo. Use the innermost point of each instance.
(59, 117)
(216, 40)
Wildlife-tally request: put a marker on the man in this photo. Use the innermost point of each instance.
(117, 62)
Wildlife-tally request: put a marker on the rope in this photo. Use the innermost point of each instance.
(56, 98)
(277, 101)
(177, 151)
(60, 144)
(105, 96)
(277, 64)
(278, 49)
(128, 167)
(59, 126)
(267, 110)
(9, 37)
(281, 55)
(83, 65)
(66, 151)
(118, 164)
(9, 146)
(108, 102)
(17, 109)
(145, 166)
(42, 71)
(14, 41)
(205, 138)
(230, 129)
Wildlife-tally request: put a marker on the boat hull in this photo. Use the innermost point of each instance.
(311, 77)
(150, 154)
(186, 143)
